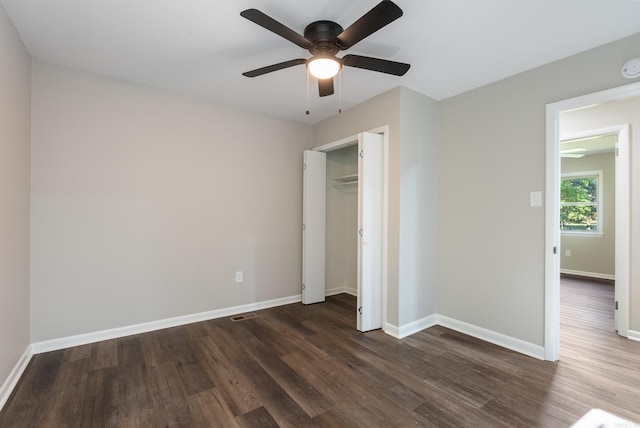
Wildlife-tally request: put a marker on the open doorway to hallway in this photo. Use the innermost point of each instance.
(587, 223)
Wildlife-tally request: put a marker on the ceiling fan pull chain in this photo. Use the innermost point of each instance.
(340, 92)
(307, 92)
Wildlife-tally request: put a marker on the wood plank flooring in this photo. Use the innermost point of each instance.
(298, 366)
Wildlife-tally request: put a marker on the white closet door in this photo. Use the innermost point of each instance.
(313, 226)
(370, 199)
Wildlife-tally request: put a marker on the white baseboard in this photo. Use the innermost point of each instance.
(340, 290)
(10, 383)
(395, 331)
(490, 336)
(411, 328)
(634, 335)
(83, 339)
(391, 330)
(334, 291)
(351, 291)
(588, 274)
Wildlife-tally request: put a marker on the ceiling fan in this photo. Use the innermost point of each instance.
(324, 39)
(573, 153)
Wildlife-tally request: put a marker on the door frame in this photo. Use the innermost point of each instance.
(353, 140)
(552, 216)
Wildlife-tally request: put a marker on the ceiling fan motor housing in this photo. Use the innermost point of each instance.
(324, 36)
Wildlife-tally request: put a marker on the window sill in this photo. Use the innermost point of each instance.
(577, 233)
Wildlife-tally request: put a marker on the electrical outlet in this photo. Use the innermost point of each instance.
(239, 276)
(567, 253)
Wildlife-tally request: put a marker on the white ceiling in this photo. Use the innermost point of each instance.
(201, 47)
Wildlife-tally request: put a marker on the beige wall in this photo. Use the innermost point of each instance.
(492, 154)
(612, 114)
(145, 204)
(412, 246)
(15, 88)
(593, 253)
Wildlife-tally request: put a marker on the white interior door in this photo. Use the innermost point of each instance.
(370, 214)
(313, 226)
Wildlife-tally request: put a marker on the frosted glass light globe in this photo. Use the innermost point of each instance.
(324, 68)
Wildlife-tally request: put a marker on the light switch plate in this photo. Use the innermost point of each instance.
(535, 198)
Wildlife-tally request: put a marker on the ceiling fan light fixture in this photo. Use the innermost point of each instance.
(323, 67)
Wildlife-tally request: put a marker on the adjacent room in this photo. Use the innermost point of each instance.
(199, 230)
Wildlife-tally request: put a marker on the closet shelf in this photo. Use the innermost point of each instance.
(345, 180)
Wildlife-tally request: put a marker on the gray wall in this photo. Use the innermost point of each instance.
(418, 252)
(145, 204)
(593, 253)
(492, 154)
(412, 246)
(611, 114)
(15, 99)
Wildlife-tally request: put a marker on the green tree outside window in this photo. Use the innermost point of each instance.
(579, 203)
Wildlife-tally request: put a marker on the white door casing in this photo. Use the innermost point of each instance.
(623, 226)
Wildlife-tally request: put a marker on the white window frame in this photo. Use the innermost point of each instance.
(585, 174)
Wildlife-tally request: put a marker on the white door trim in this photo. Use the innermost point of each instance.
(552, 216)
(623, 230)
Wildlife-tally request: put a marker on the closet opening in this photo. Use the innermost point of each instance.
(345, 224)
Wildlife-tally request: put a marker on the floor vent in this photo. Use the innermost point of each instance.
(243, 317)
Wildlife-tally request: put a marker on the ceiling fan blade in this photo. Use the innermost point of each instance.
(376, 64)
(274, 67)
(254, 15)
(383, 14)
(325, 87)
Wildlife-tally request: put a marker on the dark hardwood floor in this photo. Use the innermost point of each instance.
(296, 366)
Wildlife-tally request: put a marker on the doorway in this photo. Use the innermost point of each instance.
(552, 214)
(587, 223)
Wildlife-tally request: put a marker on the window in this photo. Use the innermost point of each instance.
(580, 203)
